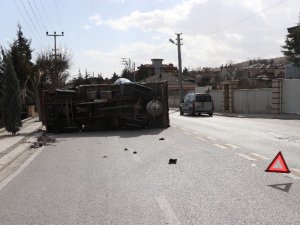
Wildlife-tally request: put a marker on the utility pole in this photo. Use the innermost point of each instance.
(55, 35)
(179, 66)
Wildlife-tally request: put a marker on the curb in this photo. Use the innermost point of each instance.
(23, 121)
(7, 159)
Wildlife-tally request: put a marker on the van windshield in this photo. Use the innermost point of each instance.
(203, 98)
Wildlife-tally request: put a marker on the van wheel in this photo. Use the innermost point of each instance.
(181, 112)
(191, 112)
(210, 114)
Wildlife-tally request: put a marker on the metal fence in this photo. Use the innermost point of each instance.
(291, 96)
(252, 100)
(218, 98)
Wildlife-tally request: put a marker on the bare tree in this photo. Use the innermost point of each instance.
(53, 71)
(49, 73)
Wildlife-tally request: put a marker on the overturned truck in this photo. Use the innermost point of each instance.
(107, 106)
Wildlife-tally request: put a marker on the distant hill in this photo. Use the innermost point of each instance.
(277, 60)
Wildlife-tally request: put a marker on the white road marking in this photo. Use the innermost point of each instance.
(246, 157)
(167, 210)
(253, 164)
(20, 169)
(260, 156)
(220, 146)
(292, 176)
(200, 138)
(232, 146)
(211, 138)
(296, 170)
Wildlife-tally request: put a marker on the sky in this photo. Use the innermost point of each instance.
(99, 33)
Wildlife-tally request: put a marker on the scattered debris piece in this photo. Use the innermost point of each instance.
(42, 140)
(172, 161)
(134, 152)
(161, 139)
(125, 149)
(105, 156)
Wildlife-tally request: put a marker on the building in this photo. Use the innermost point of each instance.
(157, 67)
(169, 73)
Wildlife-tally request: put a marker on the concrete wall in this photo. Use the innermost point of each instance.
(291, 96)
(218, 97)
(252, 100)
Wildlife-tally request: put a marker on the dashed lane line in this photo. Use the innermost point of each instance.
(232, 146)
(246, 157)
(259, 156)
(211, 138)
(291, 175)
(220, 146)
(202, 139)
(295, 172)
(167, 210)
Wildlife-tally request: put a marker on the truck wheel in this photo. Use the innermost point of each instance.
(210, 114)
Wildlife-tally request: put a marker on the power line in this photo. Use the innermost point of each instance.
(246, 18)
(23, 16)
(46, 14)
(36, 18)
(29, 26)
(58, 15)
(34, 15)
(31, 20)
(37, 9)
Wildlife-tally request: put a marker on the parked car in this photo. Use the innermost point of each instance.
(197, 103)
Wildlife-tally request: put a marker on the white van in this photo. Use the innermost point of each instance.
(197, 103)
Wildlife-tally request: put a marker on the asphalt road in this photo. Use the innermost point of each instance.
(89, 178)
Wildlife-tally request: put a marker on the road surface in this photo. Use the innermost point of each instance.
(219, 178)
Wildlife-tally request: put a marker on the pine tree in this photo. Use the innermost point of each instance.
(1, 87)
(292, 45)
(11, 97)
(21, 58)
(114, 77)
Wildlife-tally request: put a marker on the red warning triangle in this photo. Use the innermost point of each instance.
(278, 165)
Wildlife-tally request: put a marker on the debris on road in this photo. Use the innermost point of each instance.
(125, 149)
(172, 161)
(105, 156)
(161, 139)
(134, 152)
(43, 141)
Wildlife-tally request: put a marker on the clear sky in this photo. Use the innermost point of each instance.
(101, 32)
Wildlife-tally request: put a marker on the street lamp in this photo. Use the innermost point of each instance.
(179, 64)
